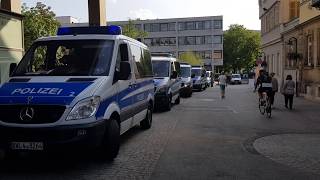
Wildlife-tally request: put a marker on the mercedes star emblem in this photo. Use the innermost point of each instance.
(27, 114)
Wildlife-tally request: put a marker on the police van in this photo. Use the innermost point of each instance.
(199, 79)
(187, 83)
(80, 89)
(167, 80)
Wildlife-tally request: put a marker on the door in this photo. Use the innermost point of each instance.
(124, 89)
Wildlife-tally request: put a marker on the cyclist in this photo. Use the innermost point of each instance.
(264, 82)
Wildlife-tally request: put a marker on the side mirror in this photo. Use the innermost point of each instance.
(125, 71)
(13, 66)
(174, 75)
(193, 76)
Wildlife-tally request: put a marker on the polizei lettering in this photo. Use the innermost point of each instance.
(35, 91)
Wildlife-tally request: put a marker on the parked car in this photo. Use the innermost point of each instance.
(187, 83)
(84, 93)
(199, 80)
(235, 79)
(167, 81)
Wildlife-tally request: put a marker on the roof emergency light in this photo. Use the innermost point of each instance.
(103, 30)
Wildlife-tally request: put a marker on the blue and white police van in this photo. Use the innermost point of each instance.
(80, 89)
(199, 79)
(187, 83)
(167, 80)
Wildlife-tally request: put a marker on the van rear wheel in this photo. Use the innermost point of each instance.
(111, 141)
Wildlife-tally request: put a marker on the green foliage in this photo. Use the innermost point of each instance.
(191, 58)
(39, 21)
(241, 48)
(131, 31)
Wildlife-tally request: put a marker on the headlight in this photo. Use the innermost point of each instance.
(84, 109)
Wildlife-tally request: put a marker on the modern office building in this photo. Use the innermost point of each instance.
(201, 35)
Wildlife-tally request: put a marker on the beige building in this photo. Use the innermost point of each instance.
(11, 35)
(271, 27)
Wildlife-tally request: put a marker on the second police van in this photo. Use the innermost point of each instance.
(199, 78)
(187, 83)
(82, 88)
(167, 80)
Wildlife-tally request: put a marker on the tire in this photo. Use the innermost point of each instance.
(109, 148)
(268, 109)
(169, 104)
(177, 101)
(262, 108)
(147, 122)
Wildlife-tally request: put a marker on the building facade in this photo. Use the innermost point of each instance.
(201, 35)
(11, 36)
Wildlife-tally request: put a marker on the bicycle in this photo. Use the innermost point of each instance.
(265, 105)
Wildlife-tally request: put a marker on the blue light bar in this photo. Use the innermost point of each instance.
(103, 30)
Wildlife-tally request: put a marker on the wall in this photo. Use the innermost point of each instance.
(11, 41)
(307, 12)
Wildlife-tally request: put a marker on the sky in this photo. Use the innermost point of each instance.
(244, 12)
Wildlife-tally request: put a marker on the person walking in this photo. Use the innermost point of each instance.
(288, 91)
(223, 84)
(275, 88)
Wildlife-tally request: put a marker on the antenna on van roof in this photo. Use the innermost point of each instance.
(162, 55)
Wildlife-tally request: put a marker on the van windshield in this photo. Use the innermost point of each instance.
(185, 72)
(67, 58)
(236, 76)
(196, 72)
(161, 68)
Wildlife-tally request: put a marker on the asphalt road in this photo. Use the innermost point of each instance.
(202, 138)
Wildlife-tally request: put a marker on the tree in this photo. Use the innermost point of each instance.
(191, 58)
(39, 21)
(130, 30)
(241, 48)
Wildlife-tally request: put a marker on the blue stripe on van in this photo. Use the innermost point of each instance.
(117, 98)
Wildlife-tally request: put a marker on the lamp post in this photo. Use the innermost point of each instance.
(295, 57)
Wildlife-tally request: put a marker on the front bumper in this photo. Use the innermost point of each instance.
(56, 138)
(186, 90)
(161, 100)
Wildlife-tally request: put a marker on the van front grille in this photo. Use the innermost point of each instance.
(29, 114)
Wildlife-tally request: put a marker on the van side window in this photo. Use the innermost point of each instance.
(177, 66)
(142, 59)
(121, 56)
(172, 68)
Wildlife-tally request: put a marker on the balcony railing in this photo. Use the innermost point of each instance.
(315, 3)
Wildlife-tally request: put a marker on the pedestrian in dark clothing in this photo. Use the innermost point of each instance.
(275, 88)
(288, 91)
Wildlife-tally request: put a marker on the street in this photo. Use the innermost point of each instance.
(202, 138)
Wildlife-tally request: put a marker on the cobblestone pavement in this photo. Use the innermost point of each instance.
(139, 153)
(297, 150)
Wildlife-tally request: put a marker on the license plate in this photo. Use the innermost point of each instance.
(33, 146)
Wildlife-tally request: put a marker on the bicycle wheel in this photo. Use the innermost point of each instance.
(268, 108)
(262, 108)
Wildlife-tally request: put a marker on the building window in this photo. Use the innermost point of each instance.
(181, 26)
(155, 27)
(217, 54)
(208, 54)
(138, 26)
(217, 24)
(310, 50)
(190, 40)
(148, 41)
(208, 39)
(190, 25)
(147, 27)
(173, 41)
(172, 26)
(294, 8)
(164, 27)
(199, 40)
(207, 24)
(217, 39)
(199, 25)
(181, 41)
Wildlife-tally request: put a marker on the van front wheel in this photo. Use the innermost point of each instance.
(111, 142)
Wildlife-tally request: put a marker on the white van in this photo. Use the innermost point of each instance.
(80, 89)
(167, 80)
